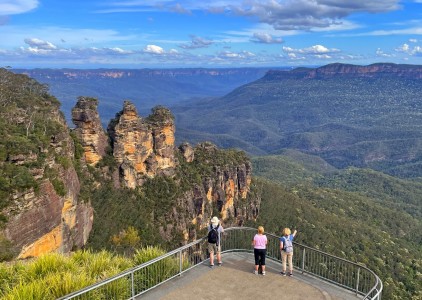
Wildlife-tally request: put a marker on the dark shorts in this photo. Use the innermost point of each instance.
(260, 256)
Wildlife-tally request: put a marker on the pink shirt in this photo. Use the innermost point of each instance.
(260, 241)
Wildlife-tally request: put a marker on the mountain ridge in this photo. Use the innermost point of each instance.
(348, 120)
(339, 69)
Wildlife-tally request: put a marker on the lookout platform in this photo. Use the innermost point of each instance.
(235, 280)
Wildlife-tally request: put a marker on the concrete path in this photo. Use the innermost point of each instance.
(235, 280)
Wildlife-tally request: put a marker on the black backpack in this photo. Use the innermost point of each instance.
(213, 235)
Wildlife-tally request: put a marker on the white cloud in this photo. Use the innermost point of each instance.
(282, 15)
(197, 42)
(316, 49)
(265, 38)
(118, 50)
(407, 31)
(39, 44)
(153, 49)
(236, 55)
(13, 7)
(381, 53)
(417, 50)
(403, 48)
(413, 40)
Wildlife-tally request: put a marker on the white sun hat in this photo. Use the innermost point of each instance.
(215, 221)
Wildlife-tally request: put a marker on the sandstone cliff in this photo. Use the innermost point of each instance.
(144, 149)
(223, 191)
(50, 178)
(40, 209)
(89, 129)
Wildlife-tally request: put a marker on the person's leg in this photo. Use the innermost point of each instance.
(219, 255)
(256, 256)
(211, 251)
(284, 261)
(290, 257)
(263, 254)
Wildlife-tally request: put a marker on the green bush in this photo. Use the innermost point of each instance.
(54, 275)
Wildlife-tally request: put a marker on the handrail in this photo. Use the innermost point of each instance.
(140, 279)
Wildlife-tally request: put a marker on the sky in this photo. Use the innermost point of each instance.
(87, 34)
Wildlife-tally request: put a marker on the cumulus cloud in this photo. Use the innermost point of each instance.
(236, 55)
(413, 40)
(153, 49)
(308, 14)
(39, 44)
(280, 14)
(316, 49)
(405, 48)
(197, 42)
(265, 38)
(13, 7)
(381, 53)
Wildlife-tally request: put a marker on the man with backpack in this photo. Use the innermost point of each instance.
(286, 248)
(214, 234)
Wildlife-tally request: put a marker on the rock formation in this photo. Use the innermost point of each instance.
(47, 190)
(143, 148)
(89, 129)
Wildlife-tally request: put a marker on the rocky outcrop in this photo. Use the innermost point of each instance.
(89, 129)
(224, 192)
(143, 148)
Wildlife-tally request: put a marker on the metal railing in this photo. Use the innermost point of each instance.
(138, 280)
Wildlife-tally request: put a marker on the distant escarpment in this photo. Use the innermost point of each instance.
(338, 69)
(348, 115)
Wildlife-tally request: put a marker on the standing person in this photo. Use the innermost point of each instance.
(286, 248)
(215, 229)
(260, 249)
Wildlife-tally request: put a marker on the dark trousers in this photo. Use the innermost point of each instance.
(260, 256)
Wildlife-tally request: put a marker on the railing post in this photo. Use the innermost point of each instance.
(303, 260)
(132, 285)
(357, 282)
(180, 263)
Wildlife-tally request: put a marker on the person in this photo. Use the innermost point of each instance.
(259, 243)
(215, 229)
(286, 248)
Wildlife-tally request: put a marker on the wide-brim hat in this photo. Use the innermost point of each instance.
(215, 220)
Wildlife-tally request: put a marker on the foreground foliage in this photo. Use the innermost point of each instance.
(54, 275)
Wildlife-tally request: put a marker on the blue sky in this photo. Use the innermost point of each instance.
(207, 33)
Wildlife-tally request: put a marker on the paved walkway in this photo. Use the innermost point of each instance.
(235, 280)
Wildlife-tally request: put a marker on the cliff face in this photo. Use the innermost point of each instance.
(143, 148)
(39, 185)
(46, 190)
(224, 192)
(89, 129)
